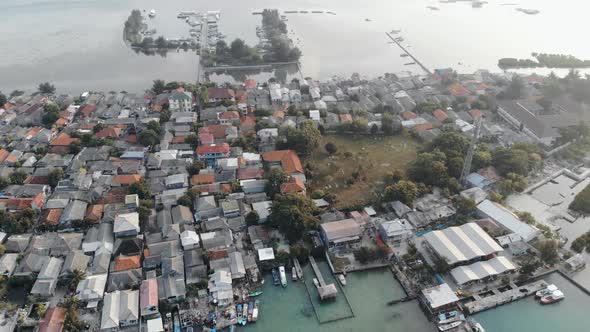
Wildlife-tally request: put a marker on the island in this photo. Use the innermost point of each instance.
(544, 60)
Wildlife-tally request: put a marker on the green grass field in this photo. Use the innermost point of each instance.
(371, 157)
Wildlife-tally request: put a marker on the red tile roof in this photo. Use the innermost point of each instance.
(440, 115)
(94, 212)
(87, 110)
(53, 321)
(126, 179)
(250, 173)
(62, 139)
(247, 121)
(218, 131)
(475, 113)
(202, 179)
(109, 132)
(423, 127)
(178, 140)
(407, 115)
(229, 115)
(250, 84)
(295, 185)
(123, 263)
(213, 148)
(345, 118)
(206, 138)
(3, 154)
(220, 93)
(51, 216)
(289, 160)
(458, 90)
(279, 114)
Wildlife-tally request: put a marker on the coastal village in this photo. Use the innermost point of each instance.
(176, 209)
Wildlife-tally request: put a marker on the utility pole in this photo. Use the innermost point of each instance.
(469, 157)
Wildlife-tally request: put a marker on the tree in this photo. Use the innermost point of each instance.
(303, 140)
(276, 178)
(403, 191)
(192, 140)
(54, 176)
(359, 125)
(252, 218)
(40, 310)
(441, 265)
(158, 86)
(331, 148)
(165, 115)
(430, 168)
(77, 276)
(4, 182)
(155, 126)
(148, 137)
(239, 49)
(186, 201)
(374, 129)
(141, 188)
(18, 177)
(529, 266)
(463, 205)
(2, 249)
(74, 147)
(548, 250)
(3, 99)
(515, 88)
(292, 215)
(195, 167)
(46, 88)
(365, 255)
(72, 321)
(161, 42)
(390, 125)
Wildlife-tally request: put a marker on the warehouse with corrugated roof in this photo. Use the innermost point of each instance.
(480, 271)
(461, 245)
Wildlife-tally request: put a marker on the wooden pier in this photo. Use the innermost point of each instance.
(326, 291)
(409, 54)
(499, 298)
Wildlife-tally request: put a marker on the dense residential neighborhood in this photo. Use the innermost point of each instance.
(123, 211)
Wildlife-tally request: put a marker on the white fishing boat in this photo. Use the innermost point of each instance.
(293, 274)
(342, 279)
(152, 13)
(553, 297)
(283, 276)
(450, 326)
(546, 291)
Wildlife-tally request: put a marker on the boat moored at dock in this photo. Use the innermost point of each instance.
(283, 276)
(450, 326)
(275, 277)
(546, 291)
(342, 279)
(555, 296)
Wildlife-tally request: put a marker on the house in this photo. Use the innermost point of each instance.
(123, 263)
(110, 312)
(176, 181)
(172, 288)
(230, 208)
(394, 232)
(154, 325)
(91, 288)
(125, 180)
(439, 297)
(215, 95)
(149, 298)
(229, 118)
(53, 320)
(220, 288)
(212, 152)
(294, 186)
(287, 160)
(61, 143)
(341, 235)
(262, 209)
(129, 308)
(47, 278)
(180, 102)
(8, 264)
(126, 224)
(182, 215)
(75, 260)
(508, 220)
(206, 207)
(74, 211)
(189, 239)
(238, 271)
(99, 238)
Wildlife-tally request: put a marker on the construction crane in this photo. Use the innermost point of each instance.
(469, 157)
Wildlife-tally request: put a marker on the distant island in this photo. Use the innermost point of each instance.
(137, 33)
(544, 60)
(275, 46)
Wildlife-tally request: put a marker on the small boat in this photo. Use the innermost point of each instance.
(152, 13)
(395, 32)
(283, 276)
(244, 314)
(255, 311)
(478, 328)
(232, 328)
(367, 20)
(293, 274)
(342, 279)
(303, 11)
(250, 310)
(239, 312)
(331, 13)
(546, 291)
(553, 297)
(448, 317)
(290, 12)
(316, 282)
(275, 277)
(404, 55)
(317, 11)
(255, 294)
(298, 268)
(450, 326)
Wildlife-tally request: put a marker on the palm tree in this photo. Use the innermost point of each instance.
(72, 320)
(77, 276)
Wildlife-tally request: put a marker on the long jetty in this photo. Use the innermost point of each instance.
(409, 54)
(245, 67)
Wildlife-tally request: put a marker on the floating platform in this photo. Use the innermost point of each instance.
(500, 298)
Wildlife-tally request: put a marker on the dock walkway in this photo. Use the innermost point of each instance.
(409, 54)
(499, 298)
(317, 272)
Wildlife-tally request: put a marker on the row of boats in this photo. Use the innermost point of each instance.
(247, 312)
(279, 275)
(550, 294)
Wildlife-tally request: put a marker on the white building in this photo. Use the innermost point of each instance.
(126, 224)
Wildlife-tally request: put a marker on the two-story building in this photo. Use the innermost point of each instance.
(180, 101)
(341, 235)
(212, 152)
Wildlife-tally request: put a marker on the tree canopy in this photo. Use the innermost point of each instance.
(46, 88)
(148, 137)
(292, 215)
(275, 179)
(403, 191)
(303, 139)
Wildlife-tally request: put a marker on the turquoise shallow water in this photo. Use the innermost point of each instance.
(290, 309)
(527, 315)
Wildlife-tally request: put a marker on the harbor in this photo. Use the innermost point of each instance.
(292, 309)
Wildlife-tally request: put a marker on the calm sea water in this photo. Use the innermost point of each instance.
(527, 315)
(78, 45)
(289, 309)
